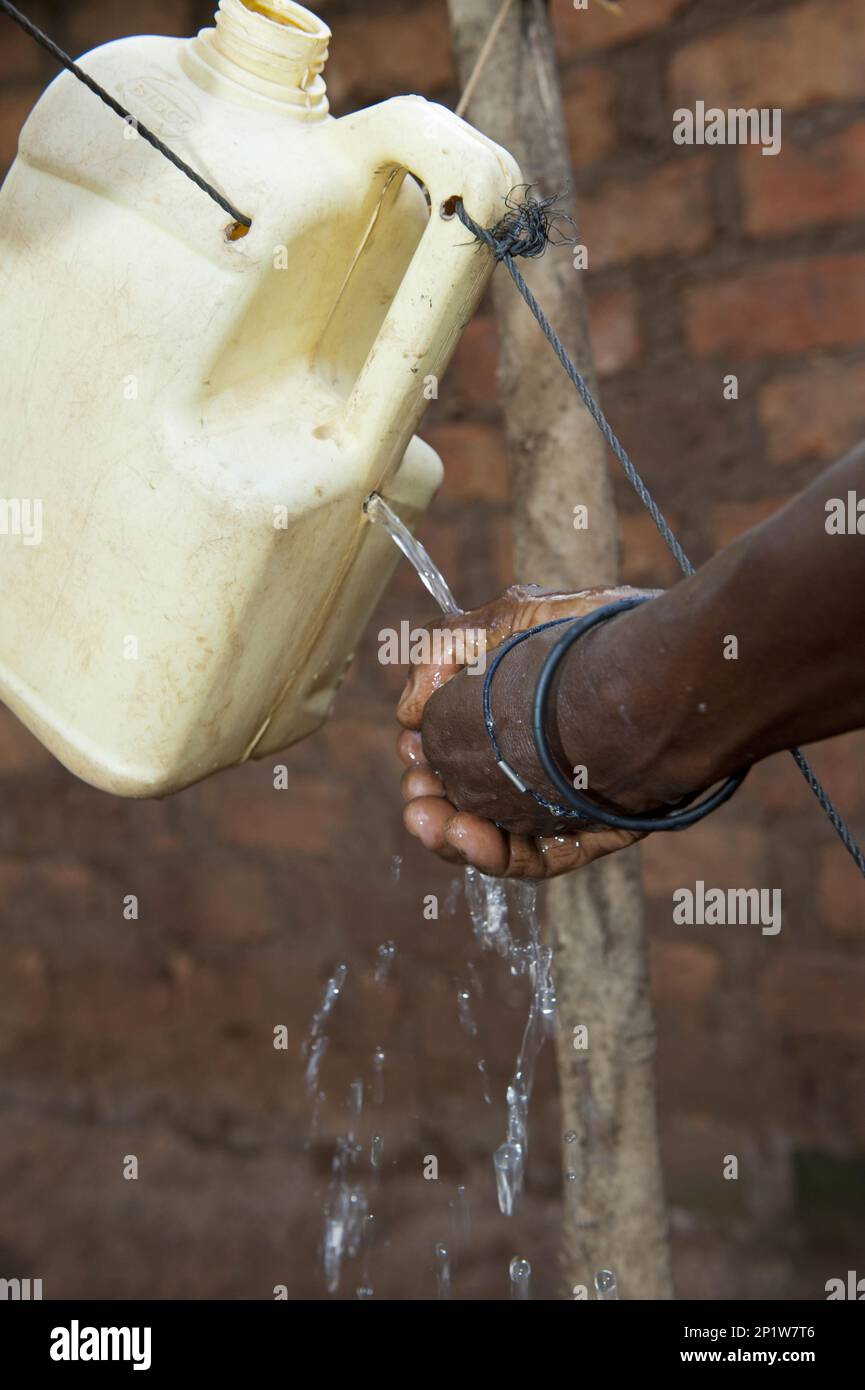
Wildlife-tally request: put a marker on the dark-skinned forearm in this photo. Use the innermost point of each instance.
(680, 709)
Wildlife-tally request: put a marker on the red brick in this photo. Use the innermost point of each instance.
(805, 187)
(475, 460)
(307, 817)
(723, 855)
(589, 98)
(646, 561)
(797, 58)
(812, 994)
(785, 308)
(816, 412)
(233, 905)
(15, 106)
(475, 363)
(380, 53)
(13, 876)
(842, 893)
(733, 519)
(665, 213)
(19, 750)
(577, 31)
(98, 21)
(615, 329)
(25, 992)
(682, 972)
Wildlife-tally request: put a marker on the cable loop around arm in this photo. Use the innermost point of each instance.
(660, 818)
(577, 806)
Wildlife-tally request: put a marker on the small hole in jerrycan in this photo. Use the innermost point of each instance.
(448, 208)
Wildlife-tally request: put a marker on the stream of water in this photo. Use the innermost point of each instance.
(505, 922)
(487, 900)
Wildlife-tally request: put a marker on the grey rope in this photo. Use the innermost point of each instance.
(525, 230)
(30, 28)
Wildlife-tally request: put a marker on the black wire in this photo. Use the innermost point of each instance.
(30, 28)
(677, 817)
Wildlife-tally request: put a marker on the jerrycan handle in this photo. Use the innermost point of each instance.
(447, 275)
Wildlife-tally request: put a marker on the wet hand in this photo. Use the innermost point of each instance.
(458, 802)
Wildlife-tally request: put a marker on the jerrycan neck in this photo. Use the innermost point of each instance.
(264, 51)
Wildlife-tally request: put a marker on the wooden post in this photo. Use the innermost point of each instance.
(615, 1216)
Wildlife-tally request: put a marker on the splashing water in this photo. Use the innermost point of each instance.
(453, 896)
(376, 1155)
(520, 1272)
(482, 1068)
(315, 1121)
(378, 1060)
(355, 1099)
(443, 1271)
(384, 960)
(509, 1159)
(365, 1289)
(345, 1212)
(315, 1044)
(465, 1011)
(488, 908)
(428, 571)
(487, 902)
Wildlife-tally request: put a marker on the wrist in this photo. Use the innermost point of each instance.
(594, 731)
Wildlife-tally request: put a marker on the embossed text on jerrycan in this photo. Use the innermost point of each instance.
(190, 420)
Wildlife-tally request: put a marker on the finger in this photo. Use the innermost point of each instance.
(478, 842)
(409, 747)
(562, 854)
(426, 818)
(421, 781)
(451, 650)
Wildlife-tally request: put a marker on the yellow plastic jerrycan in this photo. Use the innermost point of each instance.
(191, 420)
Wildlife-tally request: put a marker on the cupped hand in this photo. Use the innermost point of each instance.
(458, 802)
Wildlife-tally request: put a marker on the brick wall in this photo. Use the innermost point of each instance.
(154, 1037)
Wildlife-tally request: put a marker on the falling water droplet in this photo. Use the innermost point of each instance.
(521, 1273)
(462, 1216)
(453, 897)
(488, 909)
(474, 976)
(368, 1236)
(571, 1136)
(482, 1068)
(315, 1056)
(385, 956)
(508, 1164)
(315, 1121)
(546, 991)
(378, 1058)
(443, 1272)
(315, 1045)
(464, 1009)
(376, 1153)
(606, 1286)
(395, 866)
